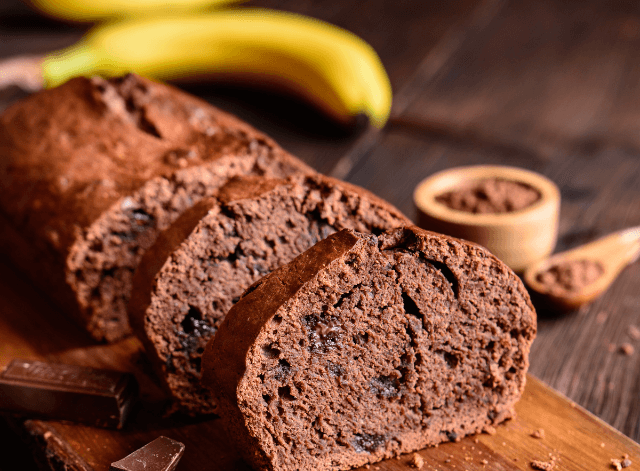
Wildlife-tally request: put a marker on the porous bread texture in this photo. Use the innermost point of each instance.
(93, 170)
(366, 347)
(254, 226)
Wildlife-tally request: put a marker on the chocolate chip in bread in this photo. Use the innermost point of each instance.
(198, 269)
(92, 171)
(365, 347)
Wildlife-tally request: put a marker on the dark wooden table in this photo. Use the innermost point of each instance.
(552, 86)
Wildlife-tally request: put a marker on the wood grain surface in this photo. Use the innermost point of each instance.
(573, 438)
(535, 89)
(551, 86)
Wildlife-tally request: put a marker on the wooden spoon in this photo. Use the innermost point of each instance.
(611, 253)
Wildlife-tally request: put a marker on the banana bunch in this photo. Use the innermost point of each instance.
(94, 10)
(334, 69)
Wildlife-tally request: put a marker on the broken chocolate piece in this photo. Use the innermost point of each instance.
(162, 454)
(67, 392)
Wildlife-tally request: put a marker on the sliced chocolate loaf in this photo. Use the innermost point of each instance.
(92, 171)
(254, 226)
(366, 347)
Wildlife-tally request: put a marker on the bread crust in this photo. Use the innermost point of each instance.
(183, 289)
(240, 365)
(92, 170)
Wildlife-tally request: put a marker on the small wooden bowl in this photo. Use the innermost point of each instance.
(518, 238)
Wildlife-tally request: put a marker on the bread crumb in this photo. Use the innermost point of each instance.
(602, 445)
(476, 440)
(617, 464)
(543, 465)
(627, 349)
(416, 461)
(634, 332)
(367, 466)
(490, 430)
(601, 317)
(484, 462)
(538, 433)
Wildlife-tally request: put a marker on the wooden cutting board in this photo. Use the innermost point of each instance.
(31, 328)
(573, 440)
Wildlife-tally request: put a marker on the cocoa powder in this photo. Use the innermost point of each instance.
(570, 276)
(490, 196)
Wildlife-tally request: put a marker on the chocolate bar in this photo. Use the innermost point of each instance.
(67, 392)
(162, 454)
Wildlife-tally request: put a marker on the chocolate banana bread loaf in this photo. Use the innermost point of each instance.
(91, 171)
(184, 288)
(366, 347)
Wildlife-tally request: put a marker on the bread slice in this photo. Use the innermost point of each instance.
(92, 171)
(198, 269)
(366, 347)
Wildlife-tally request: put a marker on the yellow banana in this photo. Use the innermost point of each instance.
(92, 10)
(332, 67)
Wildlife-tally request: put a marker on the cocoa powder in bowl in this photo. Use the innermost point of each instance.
(511, 211)
(490, 196)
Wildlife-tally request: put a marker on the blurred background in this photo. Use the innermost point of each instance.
(552, 86)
